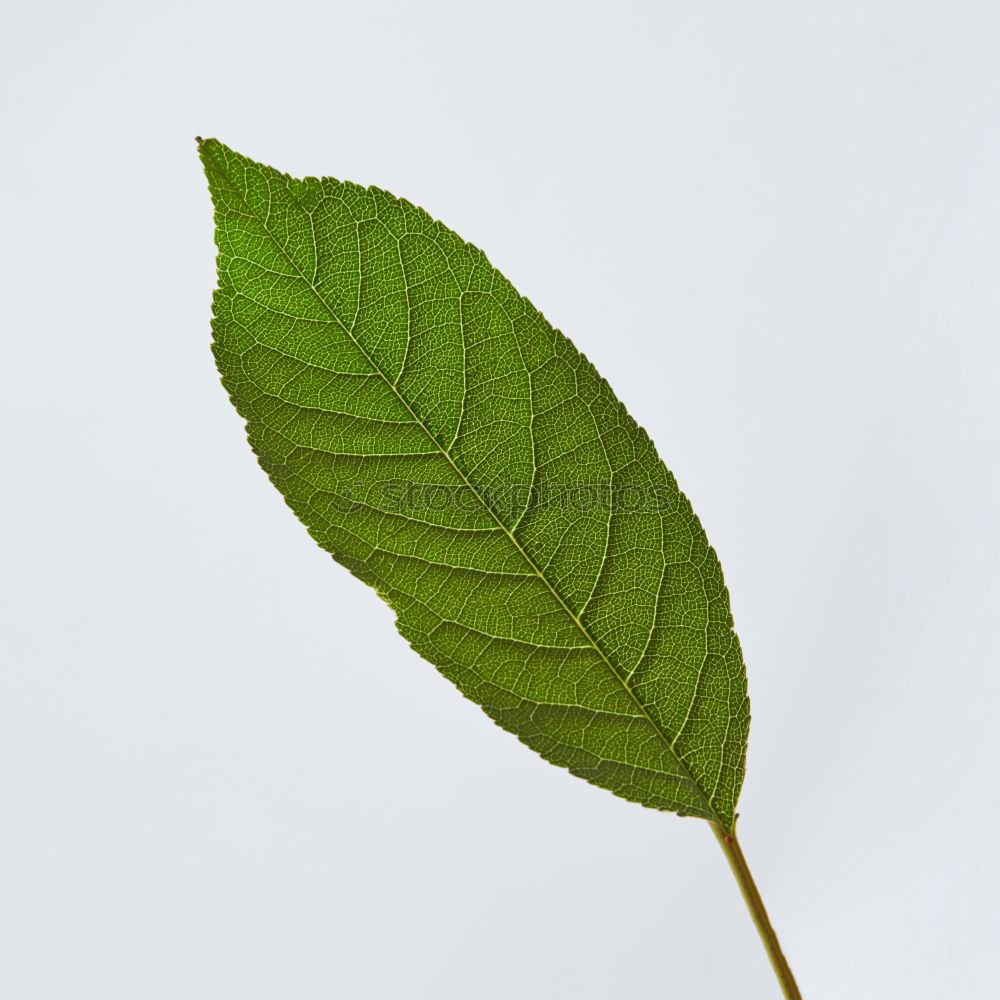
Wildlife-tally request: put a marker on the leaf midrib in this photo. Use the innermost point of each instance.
(686, 771)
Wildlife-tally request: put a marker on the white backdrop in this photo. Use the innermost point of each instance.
(774, 228)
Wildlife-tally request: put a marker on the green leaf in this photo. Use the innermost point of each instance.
(449, 447)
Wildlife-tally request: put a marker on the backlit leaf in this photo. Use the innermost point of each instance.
(449, 447)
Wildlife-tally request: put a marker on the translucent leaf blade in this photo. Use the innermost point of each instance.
(443, 442)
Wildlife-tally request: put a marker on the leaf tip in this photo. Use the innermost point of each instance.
(209, 151)
(205, 144)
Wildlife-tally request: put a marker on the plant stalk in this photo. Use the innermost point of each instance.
(738, 863)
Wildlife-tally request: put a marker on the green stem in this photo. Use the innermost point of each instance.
(734, 855)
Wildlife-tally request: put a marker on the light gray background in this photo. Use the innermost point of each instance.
(774, 228)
